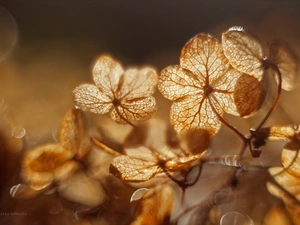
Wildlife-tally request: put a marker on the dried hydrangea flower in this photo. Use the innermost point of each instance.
(51, 162)
(128, 92)
(246, 54)
(204, 86)
(150, 150)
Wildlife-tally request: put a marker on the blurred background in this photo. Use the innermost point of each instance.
(58, 41)
(47, 48)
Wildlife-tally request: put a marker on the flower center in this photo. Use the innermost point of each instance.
(116, 102)
(207, 90)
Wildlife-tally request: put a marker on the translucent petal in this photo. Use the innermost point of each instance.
(203, 55)
(194, 112)
(107, 74)
(243, 51)
(182, 163)
(290, 158)
(89, 98)
(287, 63)
(223, 91)
(72, 133)
(135, 110)
(176, 82)
(132, 169)
(138, 83)
(288, 181)
(195, 141)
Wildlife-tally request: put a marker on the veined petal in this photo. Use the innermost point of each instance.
(243, 51)
(134, 110)
(107, 74)
(138, 83)
(194, 112)
(89, 98)
(132, 169)
(203, 56)
(176, 82)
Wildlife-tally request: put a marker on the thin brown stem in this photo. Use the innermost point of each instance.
(105, 148)
(278, 74)
(227, 124)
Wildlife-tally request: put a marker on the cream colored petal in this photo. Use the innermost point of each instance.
(287, 63)
(138, 83)
(134, 110)
(107, 74)
(243, 51)
(194, 112)
(203, 56)
(176, 82)
(66, 170)
(82, 189)
(132, 169)
(89, 98)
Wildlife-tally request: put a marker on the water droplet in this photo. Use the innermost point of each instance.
(18, 132)
(235, 218)
(138, 194)
(9, 33)
(54, 134)
(15, 189)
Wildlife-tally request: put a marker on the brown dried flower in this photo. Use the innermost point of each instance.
(54, 161)
(204, 86)
(128, 92)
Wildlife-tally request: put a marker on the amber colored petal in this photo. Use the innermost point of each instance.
(89, 98)
(39, 164)
(132, 169)
(243, 51)
(281, 132)
(290, 158)
(223, 94)
(72, 133)
(239, 94)
(288, 181)
(107, 74)
(203, 56)
(159, 201)
(287, 63)
(134, 110)
(182, 163)
(137, 83)
(195, 141)
(176, 82)
(194, 112)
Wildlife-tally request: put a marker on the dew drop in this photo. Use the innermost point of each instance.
(235, 218)
(138, 194)
(9, 33)
(18, 132)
